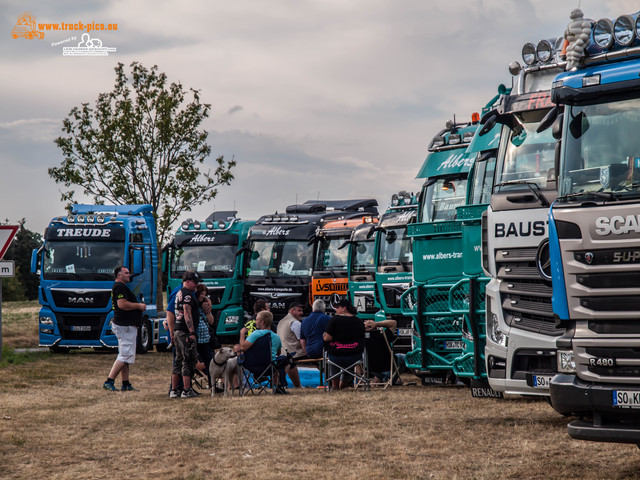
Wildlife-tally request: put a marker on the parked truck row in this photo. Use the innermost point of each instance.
(514, 269)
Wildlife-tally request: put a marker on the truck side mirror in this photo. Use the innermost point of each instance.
(137, 261)
(556, 130)
(35, 260)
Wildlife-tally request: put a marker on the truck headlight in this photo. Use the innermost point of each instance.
(566, 361)
(497, 335)
(232, 319)
(45, 320)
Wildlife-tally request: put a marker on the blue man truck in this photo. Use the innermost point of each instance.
(521, 331)
(594, 234)
(280, 251)
(209, 247)
(76, 264)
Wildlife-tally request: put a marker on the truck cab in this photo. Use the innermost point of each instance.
(280, 251)
(521, 331)
(593, 237)
(76, 265)
(209, 247)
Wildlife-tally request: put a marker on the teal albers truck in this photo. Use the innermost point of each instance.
(394, 265)
(447, 299)
(209, 247)
(76, 264)
(594, 233)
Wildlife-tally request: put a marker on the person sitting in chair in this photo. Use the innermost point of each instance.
(378, 348)
(263, 323)
(344, 339)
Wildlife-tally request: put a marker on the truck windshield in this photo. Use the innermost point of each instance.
(210, 261)
(526, 156)
(329, 256)
(81, 260)
(395, 249)
(280, 259)
(442, 197)
(363, 257)
(601, 148)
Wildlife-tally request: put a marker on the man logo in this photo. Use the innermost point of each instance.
(588, 257)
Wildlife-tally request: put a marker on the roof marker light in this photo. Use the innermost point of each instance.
(624, 30)
(603, 33)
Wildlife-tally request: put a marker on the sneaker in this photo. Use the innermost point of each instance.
(128, 388)
(110, 386)
(174, 394)
(189, 393)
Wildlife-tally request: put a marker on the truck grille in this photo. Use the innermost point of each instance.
(81, 298)
(525, 296)
(626, 358)
(75, 326)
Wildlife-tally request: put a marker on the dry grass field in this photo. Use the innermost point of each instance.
(56, 422)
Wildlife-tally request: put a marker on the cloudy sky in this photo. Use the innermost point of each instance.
(313, 98)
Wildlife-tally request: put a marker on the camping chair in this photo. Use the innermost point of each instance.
(359, 380)
(257, 369)
(394, 371)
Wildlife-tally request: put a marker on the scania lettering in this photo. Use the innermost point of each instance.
(76, 264)
(521, 332)
(593, 227)
(209, 247)
(280, 251)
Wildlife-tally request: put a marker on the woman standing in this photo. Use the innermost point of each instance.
(202, 332)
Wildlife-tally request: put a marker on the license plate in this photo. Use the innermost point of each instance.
(541, 381)
(454, 345)
(80, 328)
(626, 398)
(404, 332)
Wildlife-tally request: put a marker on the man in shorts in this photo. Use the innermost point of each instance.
(126, 319)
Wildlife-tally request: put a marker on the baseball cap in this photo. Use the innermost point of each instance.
(191, 275)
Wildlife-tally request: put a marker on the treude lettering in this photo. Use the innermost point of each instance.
(84, 232)
(617, 225)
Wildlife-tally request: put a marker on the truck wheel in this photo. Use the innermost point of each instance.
(144, 337)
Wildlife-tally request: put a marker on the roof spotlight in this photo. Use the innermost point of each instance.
(196, 225)
(221, 224)
(185, 225)
(455, 139)
(515, 68)
(624, 30)
(437, 141)
(395, 200)
(603, 33)
(209, 225)
(91, 218)
(544, 51)
(528, 53)
(80, 218)
(70, 218)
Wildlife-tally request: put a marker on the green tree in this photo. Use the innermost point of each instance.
(25, 284)
(141, 143)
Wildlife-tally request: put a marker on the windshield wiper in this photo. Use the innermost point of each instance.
(533, 186)
(603, 195)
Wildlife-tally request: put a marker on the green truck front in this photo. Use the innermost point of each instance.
(209, 247)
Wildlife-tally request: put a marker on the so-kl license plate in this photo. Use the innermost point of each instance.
(626, 398)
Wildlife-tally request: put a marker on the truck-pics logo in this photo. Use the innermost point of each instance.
(26, 27)
(521, 229)
(618, 225)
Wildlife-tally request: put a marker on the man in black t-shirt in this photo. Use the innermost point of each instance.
(126, 319)
(187, 317)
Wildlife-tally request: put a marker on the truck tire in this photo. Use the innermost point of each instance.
(145, 342)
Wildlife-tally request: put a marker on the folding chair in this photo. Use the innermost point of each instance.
(257, 369)
(359, 379)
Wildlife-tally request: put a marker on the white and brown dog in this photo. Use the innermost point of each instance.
(224, 364)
